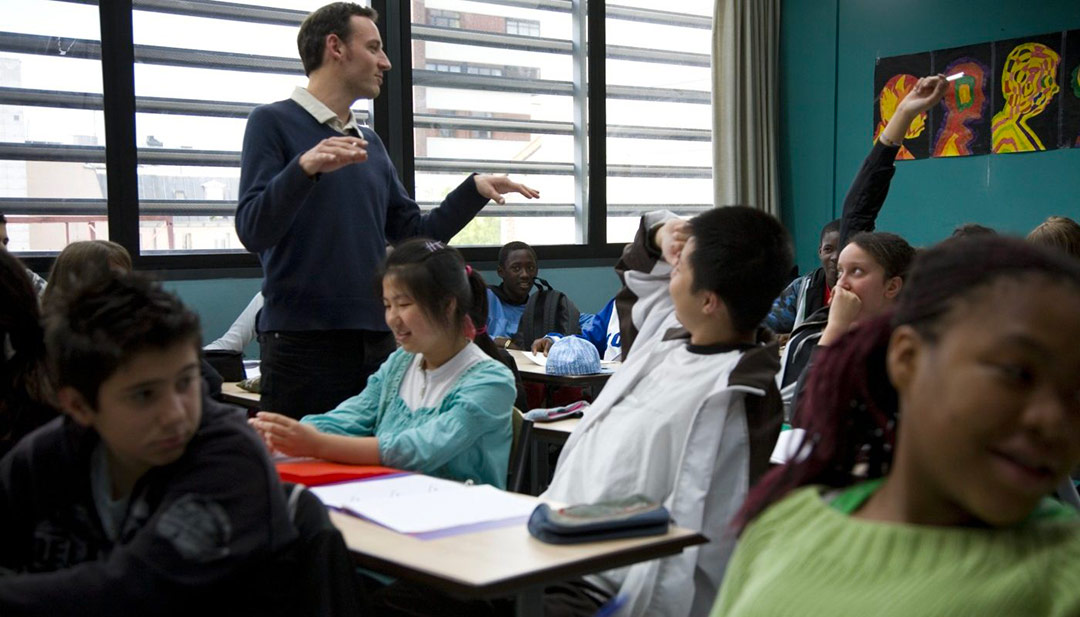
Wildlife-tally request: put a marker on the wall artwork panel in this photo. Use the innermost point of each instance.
(1026, 105)
(960, 124)
(893, 78)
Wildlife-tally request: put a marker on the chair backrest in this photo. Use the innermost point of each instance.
(519, 453)
(329, 587)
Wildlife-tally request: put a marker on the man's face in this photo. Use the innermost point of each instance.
(827, 253)
(364, 60)
(687, 302)
(3, 236)
(518, 273)
(148, 410)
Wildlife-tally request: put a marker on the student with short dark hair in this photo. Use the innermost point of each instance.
(809, 292)
(506, 301)
(26, 393)
(690, 418)
(972, 229)
(439, 404)
(147, 498)
(935, 435)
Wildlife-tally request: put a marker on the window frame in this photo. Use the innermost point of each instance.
(394, 122)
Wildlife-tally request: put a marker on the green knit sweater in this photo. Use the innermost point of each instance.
(803, 557)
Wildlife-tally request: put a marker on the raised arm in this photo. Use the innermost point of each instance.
(871, 185)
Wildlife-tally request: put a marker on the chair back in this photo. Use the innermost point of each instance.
(519, 453)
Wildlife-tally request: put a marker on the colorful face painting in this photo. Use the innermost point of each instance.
(1070, 95)
(1029, 86)
(894, 78)
(961, 126)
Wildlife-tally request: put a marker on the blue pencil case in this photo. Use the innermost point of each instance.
(625, 518)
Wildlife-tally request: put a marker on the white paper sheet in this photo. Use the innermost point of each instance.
(437, 510)
(536, 358)
(369, 489)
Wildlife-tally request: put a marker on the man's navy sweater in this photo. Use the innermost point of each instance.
(320, 240)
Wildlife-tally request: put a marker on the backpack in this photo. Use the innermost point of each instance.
(547, 310)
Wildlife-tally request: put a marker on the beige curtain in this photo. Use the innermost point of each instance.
(746, 41)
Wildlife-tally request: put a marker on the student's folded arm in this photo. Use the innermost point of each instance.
(641, 256)
(223, 514)
(272, 189)
(480, 403)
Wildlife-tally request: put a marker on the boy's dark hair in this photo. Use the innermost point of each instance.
(850, 406)
(972, 229)
(92, 331)
(889, 250)
(510, 247)
(831, 226)
(331, 19)
(744, 256)
(3, 219)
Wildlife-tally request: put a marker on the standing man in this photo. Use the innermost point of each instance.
(319, 201)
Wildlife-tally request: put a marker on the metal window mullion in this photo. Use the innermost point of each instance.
(118, 89)
(580, 40)
(661, 18)
(596, 163)
(468, 81)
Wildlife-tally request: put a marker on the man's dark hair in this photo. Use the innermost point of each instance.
(744, 256)
(831, 226)
(93, 331)
(972, 229)
(3, 219)
(510, 247)
(330, 19)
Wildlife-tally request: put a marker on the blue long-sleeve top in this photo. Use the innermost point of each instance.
(597, 329)
(320, 240)
(467, 437)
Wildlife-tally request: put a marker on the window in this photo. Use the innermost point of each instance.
(516, 116)
(495, 86)
(444, 19)
(659, 124)
(524, 27)
(52, 128)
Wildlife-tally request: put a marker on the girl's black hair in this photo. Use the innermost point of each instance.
(436, 276)
(850, 405)
(26, 393)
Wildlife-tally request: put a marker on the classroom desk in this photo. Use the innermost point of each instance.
(232, 393)
(531, 371)
(544, 433)
(498, 562)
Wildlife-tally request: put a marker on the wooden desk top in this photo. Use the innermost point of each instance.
(496, 562)
(559, 428)
(234, 394)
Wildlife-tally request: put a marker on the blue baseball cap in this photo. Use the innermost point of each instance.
(571, 355)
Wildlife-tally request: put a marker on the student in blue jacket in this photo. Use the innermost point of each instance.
(439, 404)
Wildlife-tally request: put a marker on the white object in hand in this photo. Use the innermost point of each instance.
(954, 76)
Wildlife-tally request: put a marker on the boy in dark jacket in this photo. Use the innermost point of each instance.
(148, 498)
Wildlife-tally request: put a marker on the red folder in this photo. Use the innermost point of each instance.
(315, 473)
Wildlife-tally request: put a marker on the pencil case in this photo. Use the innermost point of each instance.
(625, 518)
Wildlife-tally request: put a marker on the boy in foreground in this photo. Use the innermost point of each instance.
(148, 497)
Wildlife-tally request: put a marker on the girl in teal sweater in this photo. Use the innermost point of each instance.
(933, 440)
(438, 405)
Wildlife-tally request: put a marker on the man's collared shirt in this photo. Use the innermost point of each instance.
(323, 114)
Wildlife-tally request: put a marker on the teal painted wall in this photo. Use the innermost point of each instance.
(219, 301)
(828, 51)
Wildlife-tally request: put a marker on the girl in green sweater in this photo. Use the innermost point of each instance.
(933, 440)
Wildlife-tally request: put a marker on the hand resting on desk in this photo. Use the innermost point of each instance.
(285, 435)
